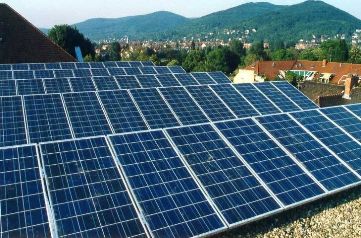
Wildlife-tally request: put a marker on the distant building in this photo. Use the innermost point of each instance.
(21, 42)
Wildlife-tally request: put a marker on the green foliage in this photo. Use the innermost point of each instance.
(222, 59)
(293, 78)
(69, 37)
(335, 50)
(114, 51)
(173, 63)
(88, 58)
(355, 55)
(194, 61)
(284, 54)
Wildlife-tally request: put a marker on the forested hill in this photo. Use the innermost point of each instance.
(271, 22)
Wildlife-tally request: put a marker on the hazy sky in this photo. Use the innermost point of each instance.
(46, 13)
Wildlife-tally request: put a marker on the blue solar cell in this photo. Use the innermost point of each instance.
(123, 64)
(257, 99)
(295, 95)
(162, 70)
(37, 66)
(147, 70)
(344, 119)
(172, 203)
(68, 65)
(234, 100)
(88, 194)
(167, 80)
(186, 79)
(28, 87)
(154, 108)
(12, 123)
(52, 66)
(331, 173)
(86, 115)
(356, 109)
(215, 109)
(46, 118)
(6, 75)
(148, 81)
(122, 112)
(147, 63)
(183, 105)
(127, 82)
(63, 73)
(105, 83)
(116, 71)
(280, 173)
(24, 74)
(96, 65)
(80, 65)
(20, 66)
(44, 74)
(219, 77)
(232, 187)
(7, 88)
(110, 64)
(57, 85)
(5, 66)
(82, 73)
(132, 71)
(23, 209)
(177, 69)
(135, 64)
(82, 84)
(334, 138)
(278, 98)
(203, 78)
(99, 72)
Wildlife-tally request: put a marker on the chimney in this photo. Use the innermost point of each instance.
(348, 87)
(324, 63)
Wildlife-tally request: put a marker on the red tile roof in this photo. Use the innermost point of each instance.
(21, 42)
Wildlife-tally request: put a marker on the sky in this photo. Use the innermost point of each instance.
(47, 13)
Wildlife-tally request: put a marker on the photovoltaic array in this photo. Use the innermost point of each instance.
(130, 149)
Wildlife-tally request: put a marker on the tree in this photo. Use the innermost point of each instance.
(293, 78)
(355, 55)
(250, 59)
(114, 51)
(258, 50)
(194, 61)
(237, 47)
(222, 59)
(69, 37)
(335, 50)
(173, 62)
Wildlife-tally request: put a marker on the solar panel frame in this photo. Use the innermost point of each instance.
(167, 80)
(186, 79)
(135, 64)
(43, 74)
(5, 67)
(127, 82)
(177, 69)
(57, 85)
(116, 71)
(147, 63)
(82, 73)
(219, 77)
(162, 70)
(203, 78)
(82, 65)
(37, 66)
(132, 71)
(82, 84)
(105, 83)
(99, 72)
(63, 73)
(110, 64)
(123, 64)
(6, 75)
(21, 66)
(67, 65)
(147, 70)
(24, 74)
(148, 81)
(52, 66)
(7, 88)
(96, 65)
(29, 87)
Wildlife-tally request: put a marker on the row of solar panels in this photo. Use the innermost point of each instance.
(68, 73)
(76, 65)
(42, 118)
(179, 182)
(64, 85)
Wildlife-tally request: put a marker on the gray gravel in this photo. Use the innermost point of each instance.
(336, 216)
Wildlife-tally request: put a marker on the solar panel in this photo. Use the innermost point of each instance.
(99, 72)
(63, 73)
(135, 64)
(52, 66)
(219, 77)
(172, 203)
(25, 74)
(12, 124)
(57, 85)
(6, 75)
(183, 105)
(7, 88)
(116, 71)
(82, 84)
(335, 139)
(43, 74)
(329, 171)
(132, 71)
(37, 66)
(86, 115)
(5, 66)
(123, 64)
(215, 109)
(46, 118)
(295, 95)
(147, 63)
(232, 187)
(234, 100)
(127, 82)
(82, 65)
(88, 194)
(20, 66)
(28, 87)
(67, 65)
(122, 112)
(345, 119)
(148, 81)
(280, 173)
(162, 70)
(23, 212)
(82, 73)
(154, 108)
(96, 65)
(257, 99)
(110, 64)
(355, 109)
(105, 83)
(177, 69)
(147, 70)
(186, 79)
(168, 80)
(278, 98)
(203, 78)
